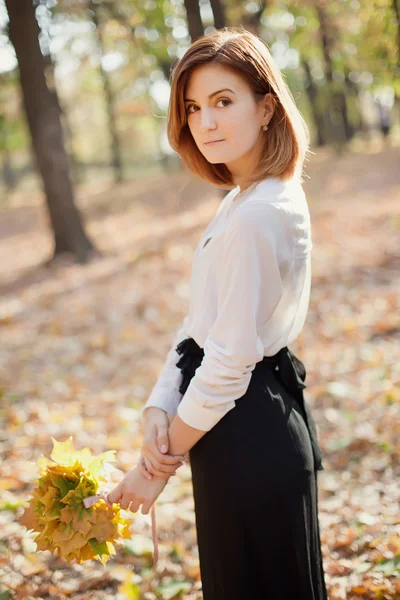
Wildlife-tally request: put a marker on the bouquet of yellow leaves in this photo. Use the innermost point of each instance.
(71, 517)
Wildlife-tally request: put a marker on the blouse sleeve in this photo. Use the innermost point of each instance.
(165, 393)
(249, 291)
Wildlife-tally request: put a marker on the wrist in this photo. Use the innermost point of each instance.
(154, 412)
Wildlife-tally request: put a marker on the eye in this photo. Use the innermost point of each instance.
(225, 100)
(189, 112)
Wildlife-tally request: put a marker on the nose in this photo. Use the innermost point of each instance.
(207, 121)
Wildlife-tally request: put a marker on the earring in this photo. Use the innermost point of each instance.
(265, 127)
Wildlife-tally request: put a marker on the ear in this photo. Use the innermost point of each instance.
(268, 103)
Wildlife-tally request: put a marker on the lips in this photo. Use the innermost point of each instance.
(212, 142)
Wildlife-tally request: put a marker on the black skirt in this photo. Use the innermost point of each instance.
(255, 488)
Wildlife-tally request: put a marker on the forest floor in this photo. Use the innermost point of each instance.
(82, 346)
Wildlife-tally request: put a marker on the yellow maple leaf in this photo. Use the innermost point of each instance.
(49, 496)
(56, 511)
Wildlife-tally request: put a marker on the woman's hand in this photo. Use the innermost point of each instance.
(135, 490)
(154, 459)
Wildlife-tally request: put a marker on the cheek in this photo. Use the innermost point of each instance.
(242, 123)
(193, 126)
(244, 131)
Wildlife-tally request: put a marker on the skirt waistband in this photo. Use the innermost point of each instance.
(290, 367)
(290, 371)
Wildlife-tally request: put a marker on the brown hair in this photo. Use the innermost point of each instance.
(287, 139)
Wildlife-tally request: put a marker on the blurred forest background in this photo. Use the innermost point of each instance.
(98, 224)
(94, 79)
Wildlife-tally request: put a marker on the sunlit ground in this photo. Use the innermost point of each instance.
(82, 346)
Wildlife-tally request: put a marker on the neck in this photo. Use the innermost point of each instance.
(242, 186)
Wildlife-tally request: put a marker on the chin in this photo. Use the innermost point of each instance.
(215, 161)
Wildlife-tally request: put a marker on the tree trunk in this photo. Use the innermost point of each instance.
(312, 94)
(338, 104)
(47, 137)
(116, 158)
(353, 94)
(66, 128)
(218, 10)
(195, 24)
(325, 41)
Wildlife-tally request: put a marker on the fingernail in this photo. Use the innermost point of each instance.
(163, 448)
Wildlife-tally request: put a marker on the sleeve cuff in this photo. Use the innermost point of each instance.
(200, 417)
(168, 401)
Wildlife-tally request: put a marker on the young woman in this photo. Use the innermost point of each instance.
(231, 392)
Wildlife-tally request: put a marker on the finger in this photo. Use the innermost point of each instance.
(149, 467)
(162, 471)
(135, 504)
(162, 459)
(149, 443)
(125, 504)
(150, 448)
(143, 469)
(107, 501)
(162, 438)
(146, 507)
(154, 471)
(162, 446)
(171, 459)
(115, 494)
(170, 468)
(151, 436)
(153, 461)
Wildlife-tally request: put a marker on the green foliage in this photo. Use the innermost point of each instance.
(142, 38)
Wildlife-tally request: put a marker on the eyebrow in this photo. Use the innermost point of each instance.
(211, 95)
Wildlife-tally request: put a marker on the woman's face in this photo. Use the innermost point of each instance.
(232, 117)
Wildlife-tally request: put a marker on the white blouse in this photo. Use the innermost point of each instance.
(249, 295)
